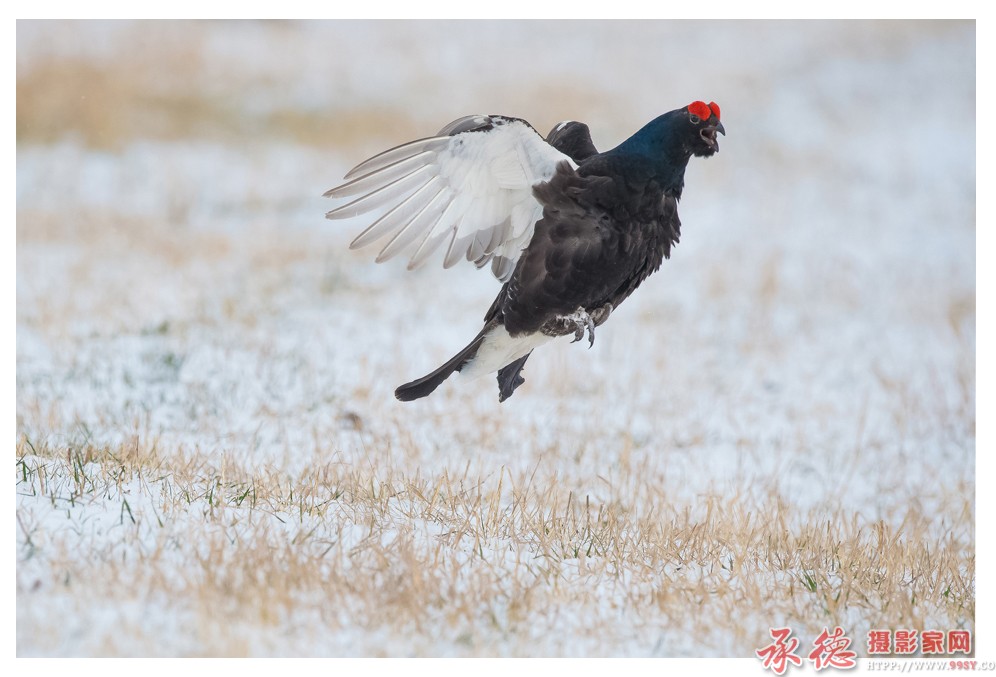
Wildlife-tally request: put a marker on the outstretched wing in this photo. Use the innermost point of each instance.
(469, 187)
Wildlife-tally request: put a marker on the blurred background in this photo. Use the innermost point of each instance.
(812, 336)
(169, 174)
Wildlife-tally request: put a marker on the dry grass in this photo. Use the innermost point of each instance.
(367, 548)
(166, 90)
(171, 87)
(373, 546)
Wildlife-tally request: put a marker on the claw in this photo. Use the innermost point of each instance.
(580, 321)
(578, 332)
(583, 323)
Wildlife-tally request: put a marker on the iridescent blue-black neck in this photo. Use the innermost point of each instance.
(662, 145)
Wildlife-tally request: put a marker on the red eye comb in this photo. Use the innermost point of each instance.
(699, 109)
(714, 107)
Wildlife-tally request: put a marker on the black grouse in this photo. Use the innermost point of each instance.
(571, 232)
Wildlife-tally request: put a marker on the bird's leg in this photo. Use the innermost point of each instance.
(601, 314)
(585, 323)
(578, 322)
(582, 322)
(510, 378)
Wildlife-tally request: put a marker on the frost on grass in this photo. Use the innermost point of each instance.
(350, 560)
(778, 429)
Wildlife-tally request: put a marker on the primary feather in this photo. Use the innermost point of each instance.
(469, 187)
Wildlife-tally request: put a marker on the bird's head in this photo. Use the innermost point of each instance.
(669, 140)
(701, 122)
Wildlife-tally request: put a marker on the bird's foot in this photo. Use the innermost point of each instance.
(578, 323)
(582, 323)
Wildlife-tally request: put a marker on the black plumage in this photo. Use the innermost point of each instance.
(573, 139)
(608, 221)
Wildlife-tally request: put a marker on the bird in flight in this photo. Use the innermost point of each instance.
(569, 231)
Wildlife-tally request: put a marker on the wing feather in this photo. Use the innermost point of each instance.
(427, 247)
(396, 154)
(399, 218)
(459, 249)
(385, 195)
(502, 267)
(469, 186)
(375, 179)
(422, 225)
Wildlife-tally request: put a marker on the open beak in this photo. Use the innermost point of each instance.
(708, 135)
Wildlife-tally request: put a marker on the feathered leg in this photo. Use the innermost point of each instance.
(509, 377)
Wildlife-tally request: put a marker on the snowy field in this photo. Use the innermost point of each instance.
(777, 429)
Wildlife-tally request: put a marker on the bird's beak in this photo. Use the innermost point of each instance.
(708, 134)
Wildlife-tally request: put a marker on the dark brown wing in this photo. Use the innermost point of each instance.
(600, 236)
(573, 139)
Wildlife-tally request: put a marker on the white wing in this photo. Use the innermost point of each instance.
(470, 187)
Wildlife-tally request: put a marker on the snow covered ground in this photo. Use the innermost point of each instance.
(803, 368)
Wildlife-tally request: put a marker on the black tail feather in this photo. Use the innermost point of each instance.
(425, 385)
(509, 378)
